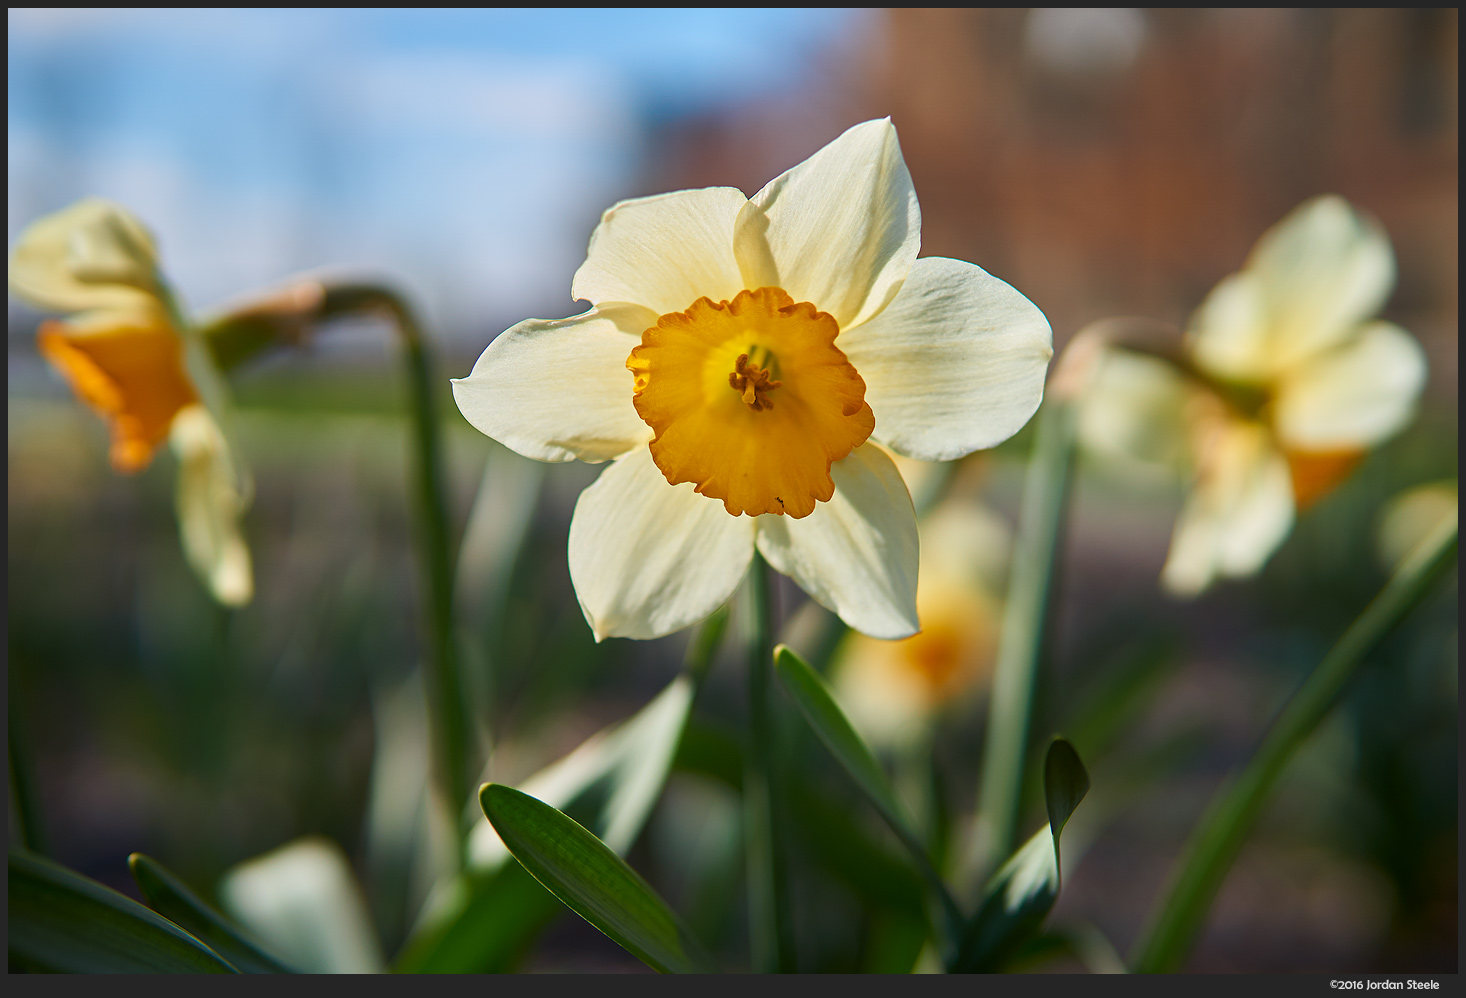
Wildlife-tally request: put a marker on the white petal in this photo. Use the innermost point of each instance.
(209, 505)
(558, 389)
(1321, 272)
(841, 229)
(664, 252)
(1354, 396)
(648, 558)
(857, 553)
(1229, 334)
(93, 254)
(1236, 516)
(1133, 408)
(954, 364)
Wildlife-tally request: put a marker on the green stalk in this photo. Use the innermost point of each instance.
(281, 320)
(1045, 493)
(1222, 829)
(771, 927)
(445, 686)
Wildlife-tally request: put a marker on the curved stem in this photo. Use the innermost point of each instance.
(451, 727)
(1219, 835)
(770, 924)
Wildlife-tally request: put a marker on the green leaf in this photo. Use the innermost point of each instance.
(484, 919)
(818, 705)
(612, 780)
(169, 897)
(62, 922)
(1065, 784)
(1022, 892)
(593, 881)
(824, 715)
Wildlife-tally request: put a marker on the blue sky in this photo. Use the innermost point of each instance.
(467, 152)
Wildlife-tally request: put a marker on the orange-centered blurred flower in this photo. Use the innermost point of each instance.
(895, 691)
(122, 355)
(740, 358)
(1290, 382)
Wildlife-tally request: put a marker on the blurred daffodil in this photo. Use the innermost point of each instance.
(895, 691)
(1285, 382)
(121, 351)
(741, 360)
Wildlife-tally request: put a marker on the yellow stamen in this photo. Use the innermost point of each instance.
(752, 384)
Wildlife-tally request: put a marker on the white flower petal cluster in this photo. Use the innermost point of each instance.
(1291, 381)
(952, 360)
(123, 354)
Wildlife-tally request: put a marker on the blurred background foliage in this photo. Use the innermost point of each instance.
(1116, 161)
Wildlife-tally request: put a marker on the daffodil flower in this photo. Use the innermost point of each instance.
(1286, 382)
(742, 360)
(122, 354)
(895, 691)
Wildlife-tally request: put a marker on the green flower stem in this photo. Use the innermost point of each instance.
(771, 928)
(1045, 494)
(450, 727)
(1220, 832)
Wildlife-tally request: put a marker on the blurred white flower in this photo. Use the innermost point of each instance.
(1286, 383)
(739, 356)
(895, 691)
(123, 356)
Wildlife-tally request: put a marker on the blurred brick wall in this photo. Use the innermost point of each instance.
(1133, 185)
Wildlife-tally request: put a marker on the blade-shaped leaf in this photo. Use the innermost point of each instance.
(169, 897)
(62, 922)
(593, 881)
(482, 920)
(1066, 781)
(824, 715)
(1021, 893)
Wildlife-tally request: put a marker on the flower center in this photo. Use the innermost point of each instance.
(707, 381)
(753, 384)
